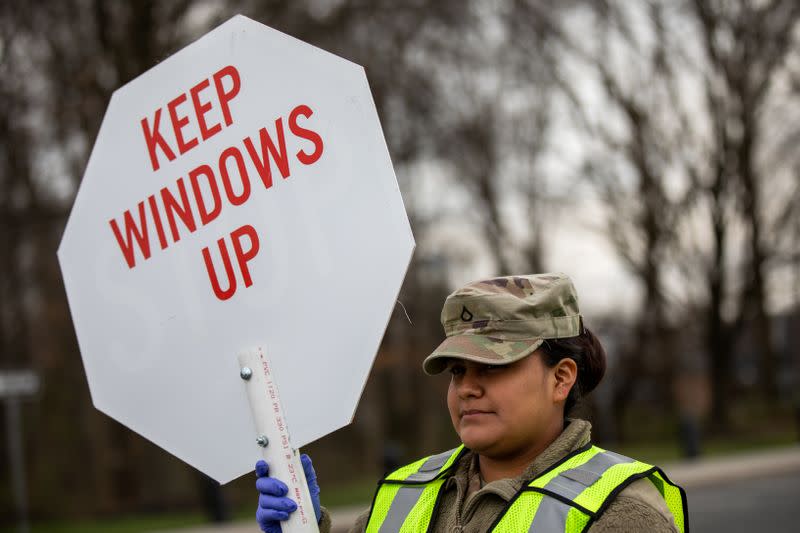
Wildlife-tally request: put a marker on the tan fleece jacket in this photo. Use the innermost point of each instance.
(468, 508)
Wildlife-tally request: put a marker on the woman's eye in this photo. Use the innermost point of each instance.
(456, 370)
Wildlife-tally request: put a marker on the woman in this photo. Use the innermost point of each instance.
(519, 359)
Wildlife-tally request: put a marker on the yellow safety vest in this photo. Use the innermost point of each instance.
(569, 496)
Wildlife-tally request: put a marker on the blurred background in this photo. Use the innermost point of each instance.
(648, 149)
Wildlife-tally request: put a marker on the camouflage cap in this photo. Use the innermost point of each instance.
(501, 320)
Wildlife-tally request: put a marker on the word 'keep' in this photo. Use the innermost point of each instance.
(179, 119)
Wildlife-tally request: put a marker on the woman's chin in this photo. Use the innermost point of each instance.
(476, 440)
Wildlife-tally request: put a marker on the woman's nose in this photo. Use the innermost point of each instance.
(469, 385)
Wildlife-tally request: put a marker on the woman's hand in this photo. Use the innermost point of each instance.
(273, 505)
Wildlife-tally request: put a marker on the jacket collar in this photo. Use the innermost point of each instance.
(576, 434)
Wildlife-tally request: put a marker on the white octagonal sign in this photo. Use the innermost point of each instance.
(239, 194)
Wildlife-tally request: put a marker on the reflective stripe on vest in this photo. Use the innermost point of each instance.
(552, 513)
(568, 497)
(406, 498)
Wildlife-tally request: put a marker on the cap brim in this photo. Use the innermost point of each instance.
(480, 349)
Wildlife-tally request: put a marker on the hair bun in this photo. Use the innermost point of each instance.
(594, 362)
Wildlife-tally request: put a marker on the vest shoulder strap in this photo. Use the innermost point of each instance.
(588, 478)
(406, 499)
(426, 469)
(572, 495)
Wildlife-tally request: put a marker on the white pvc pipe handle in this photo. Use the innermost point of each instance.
(283, 459)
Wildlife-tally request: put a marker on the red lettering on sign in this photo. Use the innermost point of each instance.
(132, 231)
(304, 133)
(226, 96)
(206, 215)
(200, 109)
(242, 257)
(268, 149)
(162, 239)
(178, 123)
(212, 273)
(234, 153)
(183, 210)
(174, 203)
(153, 138)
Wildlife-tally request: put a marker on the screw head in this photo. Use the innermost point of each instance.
(246, 373)
(262, 441)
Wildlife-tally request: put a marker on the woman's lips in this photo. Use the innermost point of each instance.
(473, 413)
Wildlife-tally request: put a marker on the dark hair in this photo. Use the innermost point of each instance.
(588, 354)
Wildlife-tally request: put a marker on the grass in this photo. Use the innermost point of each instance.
(355, 493)
(668, 452)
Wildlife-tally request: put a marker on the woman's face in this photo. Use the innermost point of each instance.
(504, 411)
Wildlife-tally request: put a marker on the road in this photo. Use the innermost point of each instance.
(763, 504)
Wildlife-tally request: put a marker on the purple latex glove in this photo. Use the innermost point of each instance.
(313, 486)
(273, 505)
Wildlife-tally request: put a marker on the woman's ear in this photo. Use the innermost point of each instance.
(565, 373)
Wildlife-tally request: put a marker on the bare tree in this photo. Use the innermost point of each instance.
(690, 95)
(746, 46)
(631, 154)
